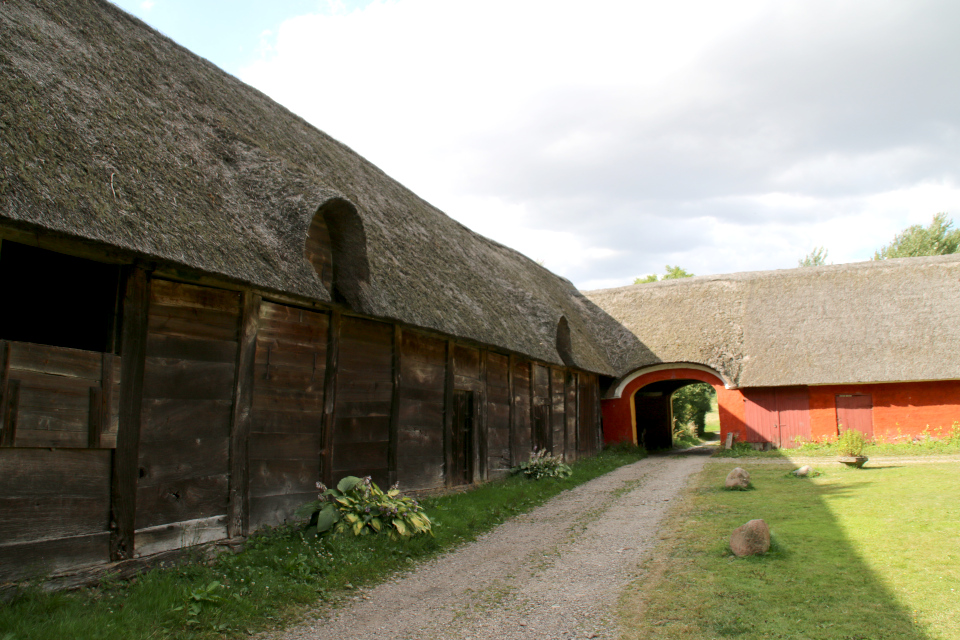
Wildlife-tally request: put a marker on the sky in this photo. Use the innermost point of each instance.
(611, 138)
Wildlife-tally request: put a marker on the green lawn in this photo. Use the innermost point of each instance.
(862, 554)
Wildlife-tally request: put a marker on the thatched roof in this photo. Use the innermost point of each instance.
(884, 321)
(113, 133)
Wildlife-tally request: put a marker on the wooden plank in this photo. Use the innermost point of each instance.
(448, 410)
(51, 438)
(241, 416)
(287, 400)
(422, 395)
(165, 419)
(24, 560)
(290, 358)
(365, 410)
(421, 443)
(363, 390)
(421, 414)
(39, 473)
(330, 398)
(282, 477)
(188, 379)
(365, 331)
(422, 348)
(421, 375)
(287, 421)
(368, 429)
(355, 455)
(176, 460)
(464, 383)
(513, 418)
(56, 361)
(133, 342)
(6, 415)
(188, 499)
(94, 420)
(497, 370)
(52, 516)
(480, 429)
(178, 535)
(166, 293)
(294, 334)
(570, 411)
(284, 446)
(193, 323)
(466, 362)
(191, 348)
(107, 388)
(420, 473)
(380, 475)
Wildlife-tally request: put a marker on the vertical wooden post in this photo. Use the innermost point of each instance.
(6, 416)
(512, 414)
(598, 413)
(94, 419)
(448, 411)
(533, 409)
(550, 443)
(394, 435)
(133, 352)
(241, 417)
(481, 426)
(107, 381)
(576, 435)
(330, 399)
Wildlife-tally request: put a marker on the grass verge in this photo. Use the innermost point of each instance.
(279, 575)
(856, 554)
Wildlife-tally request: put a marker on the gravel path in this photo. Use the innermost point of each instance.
(555, 572)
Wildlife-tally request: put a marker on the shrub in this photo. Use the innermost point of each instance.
(851, 443)
(543, 465)
(360, 506)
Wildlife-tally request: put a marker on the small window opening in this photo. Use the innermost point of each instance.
(564, 344)
(57, 300)
(336, 246)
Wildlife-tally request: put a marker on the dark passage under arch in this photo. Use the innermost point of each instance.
(653, 409)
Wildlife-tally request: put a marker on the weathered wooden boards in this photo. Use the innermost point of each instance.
(498, 415)
(420, 452)
(188, 388)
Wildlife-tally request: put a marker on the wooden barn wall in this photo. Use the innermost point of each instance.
(188, 388)
(287, 412)
(497, 415)
(589, 414)
(364, 394)
(541, 408)
(522, 423)
(420, 452)
(571, 384)
(557, 413)
(470, 446)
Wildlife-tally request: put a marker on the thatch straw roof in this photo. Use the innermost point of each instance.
(885, 321)
(113, 133)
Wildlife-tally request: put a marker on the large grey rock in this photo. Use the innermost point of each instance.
(750, 539)
(803, 471)
(738, 479)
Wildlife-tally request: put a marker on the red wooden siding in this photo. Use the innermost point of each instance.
(185, 421)
(855, 411)
(778, 415)
(285, 434)
(361, 430)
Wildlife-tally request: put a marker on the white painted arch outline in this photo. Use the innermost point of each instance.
(630, 377)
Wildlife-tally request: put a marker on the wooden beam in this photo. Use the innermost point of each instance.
(107, 382)
(94, 417)
(448, 409)
(11, 407)
(238, 501)
(330, 399)
(133, 348)
(5, 427)
(533, 409)
(394, 436)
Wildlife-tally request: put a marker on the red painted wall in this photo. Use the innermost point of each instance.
(901, 410)
(619, 423)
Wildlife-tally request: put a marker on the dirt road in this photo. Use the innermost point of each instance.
(555, 572)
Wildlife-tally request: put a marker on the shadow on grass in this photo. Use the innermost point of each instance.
(813, 583)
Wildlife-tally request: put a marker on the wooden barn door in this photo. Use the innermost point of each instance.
(463, 423)
(777, 415)
(855, 412)
(287, 415)
(188, 386)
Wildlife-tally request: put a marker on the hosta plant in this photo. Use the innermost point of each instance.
(358, 505)
(543, 465)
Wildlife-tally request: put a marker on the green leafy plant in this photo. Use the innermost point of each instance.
(851, 443)
(360, 506)
(543, 465)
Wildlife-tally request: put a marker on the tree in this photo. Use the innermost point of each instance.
(936, 240)
(670, 273)
(691, 404)
(816, 258)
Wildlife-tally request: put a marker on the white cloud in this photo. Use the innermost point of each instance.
(611, 139)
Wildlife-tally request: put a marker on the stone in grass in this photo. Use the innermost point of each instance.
(750, 539)
(738, 479)
(803, 471)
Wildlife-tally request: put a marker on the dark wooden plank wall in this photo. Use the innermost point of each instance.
(541, 408)
(498, 415)
(318, 252)
(285, 435)
(54, 510)
(65, 398)
(468, 368)
(522, 422)
(557, 412)
(589, 420)
(571, 385)
(420, 461)
(186, 413)
(361, 424)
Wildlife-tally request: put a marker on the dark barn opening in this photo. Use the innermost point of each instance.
(336, 246)
(57, 300)
(463, 412)
(653, 408)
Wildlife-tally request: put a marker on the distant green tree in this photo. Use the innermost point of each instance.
(670, 273)
(691, 404)
(936, 240)
(816, 258)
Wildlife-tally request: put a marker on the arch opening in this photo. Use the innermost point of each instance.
(667, 409)
(336, 247)
(564, 343)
